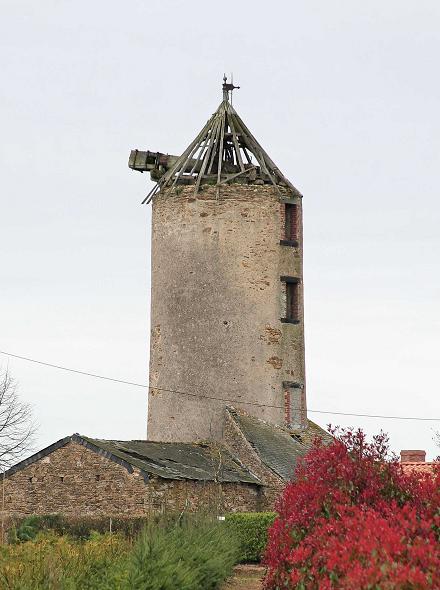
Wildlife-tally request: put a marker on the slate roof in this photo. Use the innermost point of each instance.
(313, 430)
(278, 448)
(191, 461)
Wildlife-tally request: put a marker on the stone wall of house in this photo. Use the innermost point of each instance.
(74, 480)
(217, 304)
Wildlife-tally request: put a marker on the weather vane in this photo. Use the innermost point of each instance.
(228, 87)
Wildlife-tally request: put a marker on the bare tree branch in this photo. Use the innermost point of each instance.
(17, 428)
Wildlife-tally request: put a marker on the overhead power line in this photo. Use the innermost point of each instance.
(25, 358)
(234, 401)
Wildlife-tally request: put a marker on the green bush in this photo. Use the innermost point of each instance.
(190, 554)
(26, 530)
(250, 530)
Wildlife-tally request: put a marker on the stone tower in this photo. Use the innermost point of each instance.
(227, 322)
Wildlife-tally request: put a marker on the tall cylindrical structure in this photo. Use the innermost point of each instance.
(227, 323)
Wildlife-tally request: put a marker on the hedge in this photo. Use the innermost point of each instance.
(250, 529)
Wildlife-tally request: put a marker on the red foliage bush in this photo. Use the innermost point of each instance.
(353, 520)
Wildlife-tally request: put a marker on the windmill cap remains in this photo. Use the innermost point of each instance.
(224, 151)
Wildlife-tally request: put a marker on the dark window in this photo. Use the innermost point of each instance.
(292, 300)
(292, 303)
(97, 477)
(291, 222)
(62, 478)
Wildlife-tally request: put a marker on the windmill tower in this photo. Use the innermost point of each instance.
(227, 322)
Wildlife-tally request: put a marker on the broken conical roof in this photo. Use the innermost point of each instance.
(224, 151)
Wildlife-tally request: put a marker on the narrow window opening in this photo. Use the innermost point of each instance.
(292, 307)
(291, 222)
(61, 478)
(294, 407)
(292, 312)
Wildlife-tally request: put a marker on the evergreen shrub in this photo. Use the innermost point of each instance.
(193, 554)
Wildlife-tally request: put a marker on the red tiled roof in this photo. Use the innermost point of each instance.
(419, 467)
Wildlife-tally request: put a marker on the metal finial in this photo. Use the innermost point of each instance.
(227, 88)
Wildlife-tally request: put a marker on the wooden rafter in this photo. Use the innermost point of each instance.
(219, 151)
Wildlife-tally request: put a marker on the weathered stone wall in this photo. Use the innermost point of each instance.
(74, 480)
(217, 304)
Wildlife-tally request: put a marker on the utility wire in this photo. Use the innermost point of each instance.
(234, 401)
(25, 358)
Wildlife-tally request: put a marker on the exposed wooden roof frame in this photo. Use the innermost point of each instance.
(217, 155)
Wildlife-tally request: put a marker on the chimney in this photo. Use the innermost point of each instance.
(412, 456)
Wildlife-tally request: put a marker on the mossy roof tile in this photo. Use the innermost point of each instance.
(278, 448)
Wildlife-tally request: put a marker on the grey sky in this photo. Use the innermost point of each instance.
(343, 95)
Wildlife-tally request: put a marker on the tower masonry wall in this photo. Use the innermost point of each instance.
(217, 304)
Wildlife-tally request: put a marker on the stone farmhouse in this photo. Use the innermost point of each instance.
(227, 413)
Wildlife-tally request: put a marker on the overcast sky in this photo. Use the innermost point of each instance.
(343, 95)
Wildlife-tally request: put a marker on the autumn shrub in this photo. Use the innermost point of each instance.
(353, 519)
